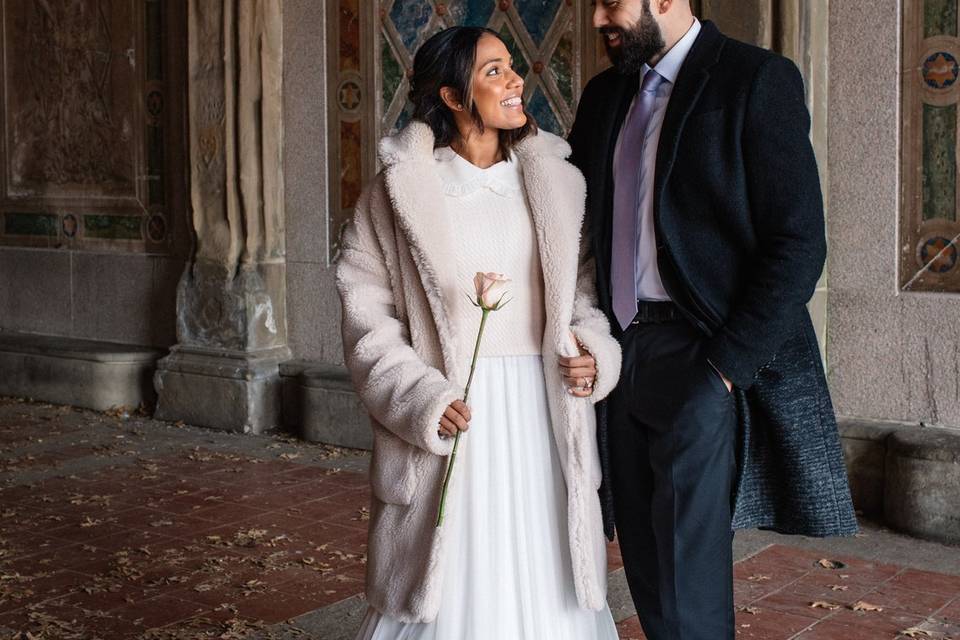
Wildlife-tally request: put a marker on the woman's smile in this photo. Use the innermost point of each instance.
(513, 102)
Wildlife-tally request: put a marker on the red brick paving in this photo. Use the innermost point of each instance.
(185, 542)
(206, 543)
(775, 591)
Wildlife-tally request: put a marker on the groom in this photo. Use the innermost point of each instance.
(706, 221)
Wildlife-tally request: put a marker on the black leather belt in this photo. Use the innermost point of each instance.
(656, 312)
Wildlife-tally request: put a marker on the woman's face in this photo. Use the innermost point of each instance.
(497, 89)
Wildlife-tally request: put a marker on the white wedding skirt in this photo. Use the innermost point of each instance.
(507, 574)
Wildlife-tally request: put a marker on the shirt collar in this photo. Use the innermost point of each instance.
(669, 65)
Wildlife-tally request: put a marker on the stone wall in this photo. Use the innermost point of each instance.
(893, 355)
(93, 224)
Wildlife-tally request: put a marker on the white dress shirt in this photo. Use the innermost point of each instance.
(649, 285)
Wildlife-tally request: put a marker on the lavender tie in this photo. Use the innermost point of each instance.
(629, 166)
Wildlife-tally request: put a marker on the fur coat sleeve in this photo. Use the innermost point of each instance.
(401, 391)
(591, 327)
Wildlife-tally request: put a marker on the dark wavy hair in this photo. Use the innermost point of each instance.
(447, 60)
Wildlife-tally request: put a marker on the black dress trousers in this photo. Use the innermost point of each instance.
(672, 430)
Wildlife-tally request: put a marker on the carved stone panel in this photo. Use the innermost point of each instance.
(91, 123)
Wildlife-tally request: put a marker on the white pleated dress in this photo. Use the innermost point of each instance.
(508, 572)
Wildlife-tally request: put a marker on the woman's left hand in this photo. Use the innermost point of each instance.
(579, 373)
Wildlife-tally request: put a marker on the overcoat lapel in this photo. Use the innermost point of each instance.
(690, 83)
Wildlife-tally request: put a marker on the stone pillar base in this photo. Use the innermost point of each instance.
(320, 404)
(905, 475)
(232, 391)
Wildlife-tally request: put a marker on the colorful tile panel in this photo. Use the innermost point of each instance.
(939, 18)
(404, 118)
(520, 64)
(471, 13)
(561, 63)
(540, 109)
(392, 72)
(940, 70)
(939, 162)
(349, 25)
(351, 170)
(30, 224)
(410, 17)
(113, 227)
(929, 224)
(537, 16)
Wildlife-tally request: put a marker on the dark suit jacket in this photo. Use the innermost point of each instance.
(740, 246)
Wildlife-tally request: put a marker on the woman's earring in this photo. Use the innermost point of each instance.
(459, 107)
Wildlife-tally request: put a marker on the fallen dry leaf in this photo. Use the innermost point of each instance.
(839, 587)
(820, 604)
(831, 564)
(860, 605)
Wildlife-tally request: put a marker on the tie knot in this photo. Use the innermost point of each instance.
(651, 81)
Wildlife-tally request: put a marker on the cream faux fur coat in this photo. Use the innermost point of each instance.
(399, 346)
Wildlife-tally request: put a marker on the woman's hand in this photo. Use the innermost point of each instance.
(456, 418)
(579, 373)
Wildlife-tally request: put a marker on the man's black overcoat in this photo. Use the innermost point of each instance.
(741, 246)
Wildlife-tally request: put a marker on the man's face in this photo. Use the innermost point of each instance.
(630, 33)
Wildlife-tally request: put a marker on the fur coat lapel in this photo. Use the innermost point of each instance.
(558, 223)
(420, 212)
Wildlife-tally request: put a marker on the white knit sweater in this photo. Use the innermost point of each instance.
(494, 232)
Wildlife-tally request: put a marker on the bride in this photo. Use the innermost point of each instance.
(472, 186)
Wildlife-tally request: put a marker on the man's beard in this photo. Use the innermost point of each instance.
(637, 45)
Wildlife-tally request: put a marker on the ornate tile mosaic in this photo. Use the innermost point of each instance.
(410, 17)
(537, 16)
(939, 162)
(939, 18)
(471, 13)
(929, 224)
(540, 109)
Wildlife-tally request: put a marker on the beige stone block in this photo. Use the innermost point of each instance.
(125, 298)
(314, 313)
(35, 286)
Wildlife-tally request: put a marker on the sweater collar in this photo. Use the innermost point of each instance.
(462, 178)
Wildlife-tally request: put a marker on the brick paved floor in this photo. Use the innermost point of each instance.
(200, 540)
(117, 526)
(783, 593)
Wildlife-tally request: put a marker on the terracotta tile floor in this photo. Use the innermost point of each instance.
(192, 543)
(116, 529)
(783, 593)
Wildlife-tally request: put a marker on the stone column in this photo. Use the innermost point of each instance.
(231, 299)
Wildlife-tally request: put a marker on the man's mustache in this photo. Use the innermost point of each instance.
(608, 30)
